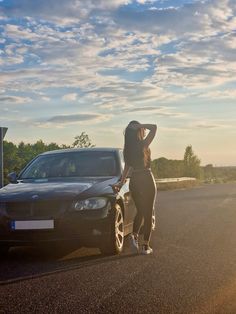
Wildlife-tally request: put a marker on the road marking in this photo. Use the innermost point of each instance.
(114, 290)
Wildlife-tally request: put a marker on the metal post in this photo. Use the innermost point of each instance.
(3, 131)
(1, 158)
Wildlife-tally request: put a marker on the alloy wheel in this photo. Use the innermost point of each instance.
(119, 229)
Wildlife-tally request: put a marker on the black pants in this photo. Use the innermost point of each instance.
(143, 190)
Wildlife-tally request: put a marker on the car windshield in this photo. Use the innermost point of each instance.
(72, 164)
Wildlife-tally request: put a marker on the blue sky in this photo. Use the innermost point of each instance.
(94, 65)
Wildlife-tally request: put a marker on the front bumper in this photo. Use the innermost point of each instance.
(85, 227)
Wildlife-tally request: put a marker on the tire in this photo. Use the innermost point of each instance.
(114, 243)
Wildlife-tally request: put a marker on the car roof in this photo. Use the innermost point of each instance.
(88, 149)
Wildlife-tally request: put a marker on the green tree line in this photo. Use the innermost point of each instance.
(16, 156)
(219, 174)
(189, 166)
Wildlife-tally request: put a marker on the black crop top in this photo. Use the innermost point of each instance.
(138, 162)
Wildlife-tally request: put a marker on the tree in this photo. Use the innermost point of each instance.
(191, 163)
(82, 141)
(167, 168)
(11, 159)
(17, 156)
(208, 172)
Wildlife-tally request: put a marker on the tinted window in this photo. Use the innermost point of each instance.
(78, 164)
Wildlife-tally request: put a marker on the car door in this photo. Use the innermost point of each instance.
(130, 209)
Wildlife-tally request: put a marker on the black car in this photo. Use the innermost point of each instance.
(66, 195)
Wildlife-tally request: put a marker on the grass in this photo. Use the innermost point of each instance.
(164, 186)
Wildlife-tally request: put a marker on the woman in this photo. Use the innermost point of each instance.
(137, 157)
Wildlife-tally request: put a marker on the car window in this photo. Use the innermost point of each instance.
(80, 164)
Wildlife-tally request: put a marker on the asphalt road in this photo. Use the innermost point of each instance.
(192, 270)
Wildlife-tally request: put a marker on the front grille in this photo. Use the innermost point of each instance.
(37, 209)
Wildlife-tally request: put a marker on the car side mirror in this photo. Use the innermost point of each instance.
(12, 177)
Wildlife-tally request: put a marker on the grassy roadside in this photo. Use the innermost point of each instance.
(164, 186)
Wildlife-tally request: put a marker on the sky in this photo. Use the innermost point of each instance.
(70, 66)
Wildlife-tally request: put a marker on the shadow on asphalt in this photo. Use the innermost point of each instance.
(24, 263)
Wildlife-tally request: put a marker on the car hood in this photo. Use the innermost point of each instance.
(56, 189)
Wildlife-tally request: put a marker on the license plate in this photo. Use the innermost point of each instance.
(32, 224)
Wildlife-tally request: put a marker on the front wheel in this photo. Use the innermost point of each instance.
(114, 242)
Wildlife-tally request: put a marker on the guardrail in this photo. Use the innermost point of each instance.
(168, 180)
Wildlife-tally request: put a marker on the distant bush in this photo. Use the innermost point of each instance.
(219, 174)
(189, 166)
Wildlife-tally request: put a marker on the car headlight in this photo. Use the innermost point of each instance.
(90, 203)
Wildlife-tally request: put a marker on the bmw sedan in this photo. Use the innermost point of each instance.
(66, 195)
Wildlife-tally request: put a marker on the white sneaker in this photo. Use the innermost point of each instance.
(134, 242)
(146, 249)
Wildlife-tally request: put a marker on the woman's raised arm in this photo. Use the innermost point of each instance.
(149, 138)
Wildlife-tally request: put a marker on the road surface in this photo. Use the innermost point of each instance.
(192, 270)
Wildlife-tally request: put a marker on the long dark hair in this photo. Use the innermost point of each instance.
(133, 147)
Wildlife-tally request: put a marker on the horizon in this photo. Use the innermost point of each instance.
(95, 66)
(178, 159)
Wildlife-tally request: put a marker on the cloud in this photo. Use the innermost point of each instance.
(18, 33)
(203, 125)
(68, 12)
(87, 54)
(115, 57)
(64, 120)
(15, 99)
(12, 60)
(198, 18)
(200, 125)
(70, 97)
(212, 124)
(228, 94)
(159, 111)
(45, 98)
